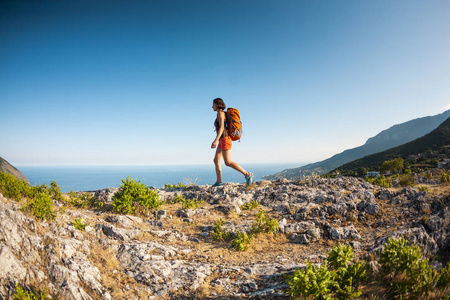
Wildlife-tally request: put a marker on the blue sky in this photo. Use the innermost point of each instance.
(132, 82)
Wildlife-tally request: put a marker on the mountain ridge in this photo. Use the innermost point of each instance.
(7, 168)
(434, 140)
(394, 136)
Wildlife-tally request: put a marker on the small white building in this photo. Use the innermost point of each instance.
(373, 174)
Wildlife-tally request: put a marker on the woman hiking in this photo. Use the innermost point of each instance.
(223, 144)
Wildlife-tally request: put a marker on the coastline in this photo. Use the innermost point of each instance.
(89, 178)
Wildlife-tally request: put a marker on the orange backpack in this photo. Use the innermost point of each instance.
(234, 124)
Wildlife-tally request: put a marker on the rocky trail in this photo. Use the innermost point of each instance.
(172, 253)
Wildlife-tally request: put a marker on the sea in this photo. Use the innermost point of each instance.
(91, 178)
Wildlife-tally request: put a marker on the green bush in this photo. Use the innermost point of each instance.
(382, 181)
(407, 179)
(41, 207)
(219, 233)
(55, 191)
(191, 203)
(79, 224)
(311, 281)
(443, 280)
(346, 276)
(134, 195)
(342, 276)
(251, 205)
(13, 188)
(263, 224)
(175, 186)
(423, 188)
(445, 177)
(24, 294)
(84, 200)
(241, 241)
(39, 197)
(410, 274)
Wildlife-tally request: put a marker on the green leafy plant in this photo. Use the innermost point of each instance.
(174, 186)
(177, 199)
(24, 294)
(263, 224)
(407, 179)
(78, 224)
(251, 205)
(443, 279)
(135, 196)
(13, 188)
(39, 198)
(84, 200)
(411, 276)
(346, 276)
(219, 233)
(311, 281)
(41, 207)
(191, 203)
(241, 241)
(382, 181)
(55, 191)
(445, 177)
(338, 275)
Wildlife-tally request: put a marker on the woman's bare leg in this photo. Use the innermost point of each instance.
(229, 163)
(217, 159)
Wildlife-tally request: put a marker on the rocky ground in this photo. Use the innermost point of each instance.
(172, 254)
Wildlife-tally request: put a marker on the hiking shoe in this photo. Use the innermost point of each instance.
(249, 179)
(217, 184)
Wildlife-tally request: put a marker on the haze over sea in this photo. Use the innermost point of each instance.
(89, 178)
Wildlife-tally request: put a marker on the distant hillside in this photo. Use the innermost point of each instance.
(394, 136)
(434, 140)
(7, 168)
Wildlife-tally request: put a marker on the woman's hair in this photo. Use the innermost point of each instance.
(220, 104)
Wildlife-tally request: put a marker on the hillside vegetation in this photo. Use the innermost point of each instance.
(437, 142)
(396, 135)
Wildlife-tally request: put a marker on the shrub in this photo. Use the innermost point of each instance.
(219, 233)
(346, 276)
(174, 186)
(251, 205)
(134, 195)
(423, 188)
(84, 200)
(78, 224)
(55, 191)
(24, 294)
(39, 197)
(410, 275)
(41, 207)
(382, 181)
(407, 179)
(191, 203)
(445, 177)
(263, 224)
(341, 276)
(311, 281)
(443, 280)
(13, 188)
(241, 241)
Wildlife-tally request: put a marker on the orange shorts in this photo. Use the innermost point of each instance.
(225, 143)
